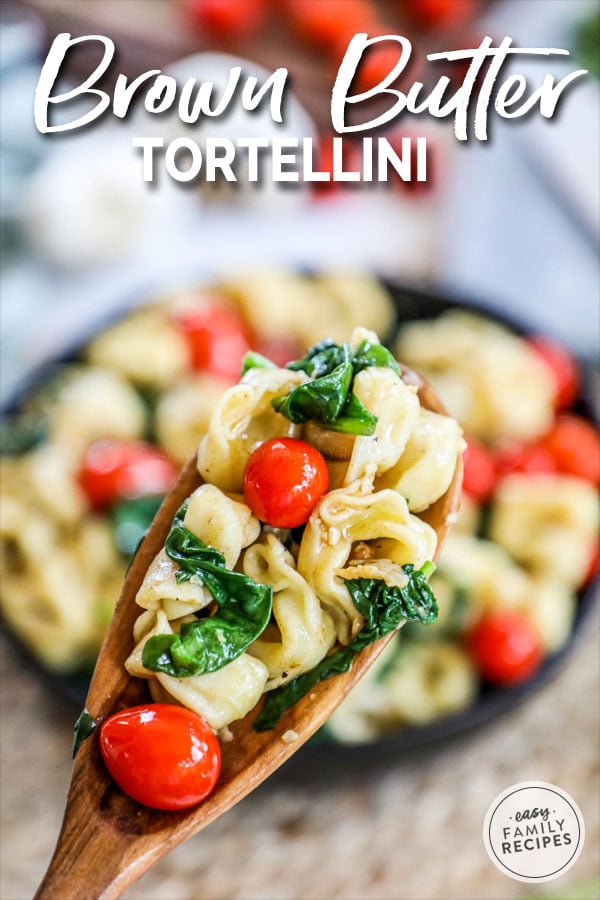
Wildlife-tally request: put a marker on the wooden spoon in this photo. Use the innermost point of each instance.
(107, 841)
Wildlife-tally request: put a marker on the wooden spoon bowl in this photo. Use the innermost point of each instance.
(107, 840)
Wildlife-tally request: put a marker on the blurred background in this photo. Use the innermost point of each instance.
(511, 225)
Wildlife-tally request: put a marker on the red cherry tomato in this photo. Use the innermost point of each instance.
(561, 367)
(112, 470)
(163, 756)
(226, 18)
(284, 480)
(506, 648)
(324, 22)
(512, 456)
(376, 63)
(440, 13)
(216, 337)
(479, 477)
(574, 444)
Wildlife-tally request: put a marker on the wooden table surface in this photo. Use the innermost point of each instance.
(410, 831)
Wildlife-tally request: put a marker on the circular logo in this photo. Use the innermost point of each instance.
(533, 831)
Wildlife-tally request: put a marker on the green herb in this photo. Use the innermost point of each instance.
(206, 645)
(253, 360)
(131, 519)
(83, 728)
(328, 399)
(19, 434)
(384, 608)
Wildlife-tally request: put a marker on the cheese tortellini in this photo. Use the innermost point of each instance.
(489, 379)
(358, 530)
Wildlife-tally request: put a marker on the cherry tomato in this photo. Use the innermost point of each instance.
(226, 18)
(561, 367)
(324, 22)
(113, 470)
(506, 647)
(440, 13)
(574, 444)
(161, 755)
(513, 456)
(216, 337)
(284, 480)
(479, 477)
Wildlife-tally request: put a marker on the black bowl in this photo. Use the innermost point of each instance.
(322, 756)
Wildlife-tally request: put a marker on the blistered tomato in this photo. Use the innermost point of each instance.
(574, 445)
(112, 470)
(163, 756)
(284, 480)
(479, 476)
(226, 18)
(324, 22)
(513, 456)
(561, 367)
(216, 337)
(505, 647)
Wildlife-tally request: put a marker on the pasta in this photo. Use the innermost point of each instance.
(357, 538)
(489, 379)
(140, 380)
(548, 523)
(242, 418)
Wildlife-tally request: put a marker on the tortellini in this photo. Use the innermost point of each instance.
(548, 523)
(244, 418)
(489, 379)
(345, 517)
(302, 632)
(144, 348)
(358, 530)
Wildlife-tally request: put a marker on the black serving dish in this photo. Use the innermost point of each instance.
(322, 756)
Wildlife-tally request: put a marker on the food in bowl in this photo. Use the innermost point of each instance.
(532, 463)
(298, 549)
(95, 444)
(526, 539)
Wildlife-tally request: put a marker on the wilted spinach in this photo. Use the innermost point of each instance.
(383, 608)
(208, 644)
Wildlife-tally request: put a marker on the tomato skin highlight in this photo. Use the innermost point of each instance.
(113, 470)
(284, 480)
(479, 478)
(561, 368)
(505, 647)
(161, 755)
(574, 445)
(513, 456)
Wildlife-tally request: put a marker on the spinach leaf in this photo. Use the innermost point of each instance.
(328, 400)
(384, 608)
(131, 519)
(83, 728)
(19, 434)
(321, 400)
(206, 645)
(253, 360)
(320, 359)
(368, 354)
